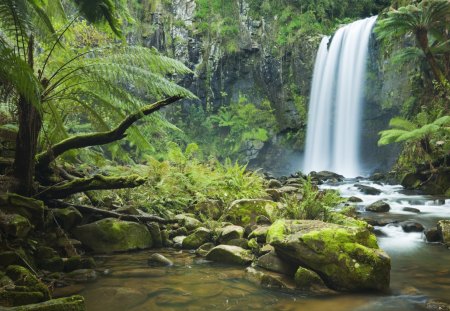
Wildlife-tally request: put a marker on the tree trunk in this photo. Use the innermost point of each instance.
(30, 124)
(422, 39)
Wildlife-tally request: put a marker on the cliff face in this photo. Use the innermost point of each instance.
(260, 69)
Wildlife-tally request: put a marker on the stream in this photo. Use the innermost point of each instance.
(420, 271)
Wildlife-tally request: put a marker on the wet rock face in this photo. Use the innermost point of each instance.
(230, 254)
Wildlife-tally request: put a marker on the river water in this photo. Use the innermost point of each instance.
(420, 271)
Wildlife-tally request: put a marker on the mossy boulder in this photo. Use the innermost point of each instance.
(155, 232)
(29, 208)
(230, 232)
(245, 211)
(347, 258)
(78, 262)
(73, 303)
(15, 225)
(188, 221)
(268, 279)
(306, 279)
(204, 249)
(230, 254)
(113, 235)
(48, 259)
(199, 237)
(67, 218)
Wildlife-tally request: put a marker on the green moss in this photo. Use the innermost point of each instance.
(276, 231)
(22, 277)
(73, 303)
(305, 279)
(199, 237)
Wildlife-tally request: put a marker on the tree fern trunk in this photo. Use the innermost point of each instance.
(422, 38)
(30, 124)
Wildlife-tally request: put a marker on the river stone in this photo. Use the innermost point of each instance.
(354, 200)
(259, 234)
(436, 305)
(158, 260)
(204, 249)
(230, 233)
(78, 262)
(113, 235)
(411, 226)
(308, 280)
(230, 254)
(15, 225)
(155, 232)
(199, 237)
(432, 235)
(268, 279)
(188, 221)
(378, 207)
(411, 209)
(212, 209)
(347, 258)
(82, 275)
(272, 262)
(73, 303)
(326, 175)
(443, 227)
(367, 189)
(68, 217)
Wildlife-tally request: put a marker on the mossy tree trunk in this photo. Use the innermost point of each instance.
(422, 39)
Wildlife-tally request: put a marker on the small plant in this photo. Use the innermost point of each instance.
(314, 204)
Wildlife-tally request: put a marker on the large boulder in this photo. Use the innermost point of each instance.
(196, 239)
(368, 189)
(306, 279)
(113, 235)
(347, 258)
(230, 254)
(272, 262)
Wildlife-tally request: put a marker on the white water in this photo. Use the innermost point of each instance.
(334, 118)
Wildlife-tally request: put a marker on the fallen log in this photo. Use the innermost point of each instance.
(94, 210)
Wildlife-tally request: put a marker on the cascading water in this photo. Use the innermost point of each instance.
(334, 119)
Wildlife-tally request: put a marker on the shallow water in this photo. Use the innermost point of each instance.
(420, 271)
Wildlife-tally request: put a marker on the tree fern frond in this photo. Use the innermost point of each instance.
(405, 55)
(98, 10)
(402, 124)
(18, 74)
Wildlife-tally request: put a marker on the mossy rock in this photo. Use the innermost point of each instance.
(155, 232)
(67, 218)
(73, 303)
(230, 254)
(346, 258)
(15, 225)
(443, 228)
(306, 279)
(188, 221)
(199, 237)
(230, 232)
(245, 211)
(378, 207)
(78, 262)
(28, 288)
(272, 262)
(113, 235)
(259, 234)
(29, 208)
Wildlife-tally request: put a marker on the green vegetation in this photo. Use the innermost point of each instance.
(312, 204)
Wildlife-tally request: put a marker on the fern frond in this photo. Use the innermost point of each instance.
(403, 124)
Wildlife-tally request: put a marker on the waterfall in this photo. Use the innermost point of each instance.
(334, 118)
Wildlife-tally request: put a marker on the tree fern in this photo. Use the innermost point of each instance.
(404, 130)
